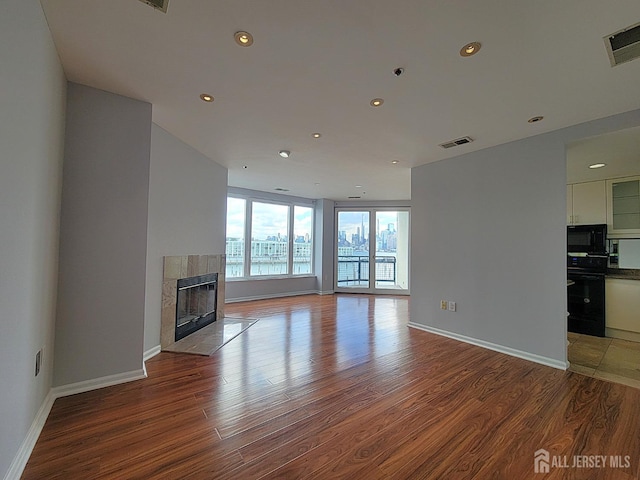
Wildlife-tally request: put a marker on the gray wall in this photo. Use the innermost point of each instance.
(489, 232)
(187, 214)
(103, 236)
(32, 96)
(325, 239)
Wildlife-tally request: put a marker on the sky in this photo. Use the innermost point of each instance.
(267, 219)
(350, 221)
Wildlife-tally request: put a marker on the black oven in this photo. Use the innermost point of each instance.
(586, 296)
(587, 239)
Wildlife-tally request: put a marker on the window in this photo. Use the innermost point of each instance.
(269, 239)
(281, 238)
(302, 239)
(236, 211)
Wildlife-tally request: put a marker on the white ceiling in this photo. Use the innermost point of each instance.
(619, 151)
(315, 66)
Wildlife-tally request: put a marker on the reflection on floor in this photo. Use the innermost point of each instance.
(210, 338)
(606, 358)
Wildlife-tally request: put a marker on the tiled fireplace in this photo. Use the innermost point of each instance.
(200, 279)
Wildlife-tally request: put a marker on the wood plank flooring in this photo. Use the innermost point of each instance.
(338, 386)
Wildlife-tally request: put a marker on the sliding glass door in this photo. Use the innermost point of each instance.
(372, 250)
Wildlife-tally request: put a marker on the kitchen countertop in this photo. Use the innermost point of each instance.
(624, 273)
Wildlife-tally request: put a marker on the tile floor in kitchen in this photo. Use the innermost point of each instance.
(606, 358)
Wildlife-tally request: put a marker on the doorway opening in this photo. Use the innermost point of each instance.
(372, 250)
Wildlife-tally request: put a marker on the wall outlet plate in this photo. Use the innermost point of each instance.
(452, 306)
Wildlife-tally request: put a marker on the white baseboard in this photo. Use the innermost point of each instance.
(152, 352)
(24, 452)
(550, 362)
(325, 292)
(271, 295)
(96, 383)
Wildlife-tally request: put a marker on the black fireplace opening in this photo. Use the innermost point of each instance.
(196, 304)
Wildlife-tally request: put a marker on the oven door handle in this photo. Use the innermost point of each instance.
(588, 277)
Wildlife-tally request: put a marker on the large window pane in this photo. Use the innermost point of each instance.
(353, 249)
(235, 237)
(269, 239)
(302, 239)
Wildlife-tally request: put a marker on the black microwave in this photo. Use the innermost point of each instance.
(587, 238)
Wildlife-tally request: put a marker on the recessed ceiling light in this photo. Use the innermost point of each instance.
(244, 39)
(316, 135)
(598, 165)
(358, 186)
(535, 119)
(376, 102)
(395, 162)
(205, 97)
(284, 153)
(470, 49)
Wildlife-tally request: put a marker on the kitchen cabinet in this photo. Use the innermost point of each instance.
(587, 203)
(622, 299)
(623, 207)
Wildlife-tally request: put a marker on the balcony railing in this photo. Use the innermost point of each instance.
(355, 269)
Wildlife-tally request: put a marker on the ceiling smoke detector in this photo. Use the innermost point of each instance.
(157, 4)
(624, 45)
(456, 142)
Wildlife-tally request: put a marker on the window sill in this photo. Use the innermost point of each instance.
(269, 277)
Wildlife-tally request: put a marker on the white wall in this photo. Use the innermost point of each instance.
(32, 95)
(187, 214)
(103, 236)
(489, 232)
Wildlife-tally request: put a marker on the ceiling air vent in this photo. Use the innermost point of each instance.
(353, 198)
(623, 46)
(157, 4)
(280, 189)
(456, 142)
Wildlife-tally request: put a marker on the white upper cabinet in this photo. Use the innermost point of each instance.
(623, 200)
(587, 203)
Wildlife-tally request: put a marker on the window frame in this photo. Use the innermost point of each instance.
(248, 214)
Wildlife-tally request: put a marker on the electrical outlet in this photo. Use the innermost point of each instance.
(452, 306)
(38, 361)
(443, 304)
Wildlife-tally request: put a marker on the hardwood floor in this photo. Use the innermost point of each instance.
(338, 386)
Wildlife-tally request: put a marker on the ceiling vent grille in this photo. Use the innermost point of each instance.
(456, 142)
(157, 4)
(623, 46)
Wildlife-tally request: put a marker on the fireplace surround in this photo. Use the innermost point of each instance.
(200, 279)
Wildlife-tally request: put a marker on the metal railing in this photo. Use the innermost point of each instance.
(354, 269)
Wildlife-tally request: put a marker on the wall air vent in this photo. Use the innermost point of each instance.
(623, 46)
(157, 4)
(456, 142)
